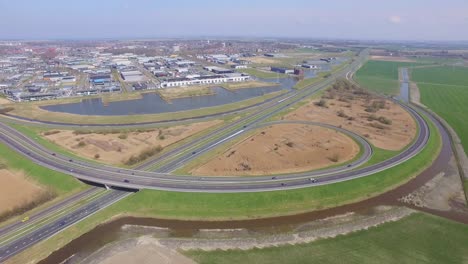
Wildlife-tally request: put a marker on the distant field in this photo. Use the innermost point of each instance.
(445, 91)
(418, 238)
(381, 76)
(441, 75)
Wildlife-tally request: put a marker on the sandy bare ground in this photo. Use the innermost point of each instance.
(442, 192)
(116, 149)
(4, 101)
(283, 148)
(16, 190)
(391, 137)
(144, 250)
(391, 58)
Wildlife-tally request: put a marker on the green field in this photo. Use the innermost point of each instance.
(447, 75)
(381, 76)
(418, 238)
(60, 182)
(445, 91)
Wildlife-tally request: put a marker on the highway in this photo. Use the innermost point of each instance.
(135, 179)
(160, 177)
(49, 229)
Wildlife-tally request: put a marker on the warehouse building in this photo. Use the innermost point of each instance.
(282, 70)
(210, 79)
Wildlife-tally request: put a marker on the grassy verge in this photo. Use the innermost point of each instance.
(310, 81)
(249, 84)
(34, 112)
(58, 181)
(263, 74)
(418, 238)
(172, 205)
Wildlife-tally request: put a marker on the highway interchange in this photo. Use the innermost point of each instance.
(156, 173)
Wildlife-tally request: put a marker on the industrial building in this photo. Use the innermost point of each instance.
(282, 70)
(133, 76)
(210, 79)
(100, 79)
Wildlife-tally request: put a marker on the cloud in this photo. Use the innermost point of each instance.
(395, 19)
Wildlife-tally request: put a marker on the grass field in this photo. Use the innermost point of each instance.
(59, 182)
(381, 76)
(445, 91)
(418, 238)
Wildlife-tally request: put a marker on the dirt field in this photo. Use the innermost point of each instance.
(284, 148)
(4, 101)
(181, 92)
(116, 148)
(16, 190)
(391, 58)
(141, 250)
(354, 117)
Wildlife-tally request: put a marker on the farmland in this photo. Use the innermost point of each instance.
(381, 76)
(445, 91)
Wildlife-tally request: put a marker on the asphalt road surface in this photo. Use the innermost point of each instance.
(59, 224)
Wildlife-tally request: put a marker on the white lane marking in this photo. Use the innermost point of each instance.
(282, 100)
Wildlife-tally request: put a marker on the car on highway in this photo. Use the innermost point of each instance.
(25, 219)
(313, 180)
(126, 181)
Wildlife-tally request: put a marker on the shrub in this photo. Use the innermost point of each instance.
(321, 103)
(149, 152)
(97, 156)
(81, 144)
(51, 132)
(6, 110)
(123, 136)
(341, 113)
(334, 158)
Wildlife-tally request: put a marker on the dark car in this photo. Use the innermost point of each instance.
(313, 180)
(126, 181)
(53, 154)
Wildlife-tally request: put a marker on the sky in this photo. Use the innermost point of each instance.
(438, 20)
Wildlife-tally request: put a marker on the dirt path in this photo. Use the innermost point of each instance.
(283, 148)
